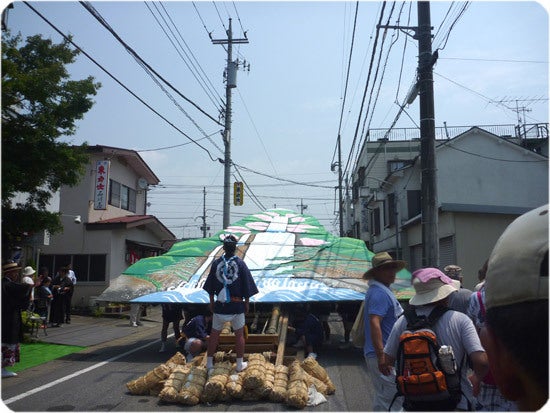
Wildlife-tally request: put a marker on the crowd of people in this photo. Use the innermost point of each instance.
(25, 291)
(498, 333)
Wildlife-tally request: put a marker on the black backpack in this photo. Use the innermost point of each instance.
(423, 383)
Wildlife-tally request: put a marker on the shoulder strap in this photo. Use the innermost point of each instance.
(436, 314)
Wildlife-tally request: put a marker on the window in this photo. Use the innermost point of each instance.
(375, 221)
(121, 196)
(87, 268)
(114, 193)
(414, 203)
(132, 200)
(389, 210)
(396, 165)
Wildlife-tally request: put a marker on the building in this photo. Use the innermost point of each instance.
(106, 226)
(484, 181)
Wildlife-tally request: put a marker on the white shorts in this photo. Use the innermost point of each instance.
(187, 346)
(237, 321)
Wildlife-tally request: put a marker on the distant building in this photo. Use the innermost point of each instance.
(484, 181)
(114, 230)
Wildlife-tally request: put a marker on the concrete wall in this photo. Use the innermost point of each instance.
(476, 235)
(486, 170)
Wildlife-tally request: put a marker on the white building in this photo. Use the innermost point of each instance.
(484, 182)
(115, 230)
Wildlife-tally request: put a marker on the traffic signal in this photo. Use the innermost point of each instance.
(238, 193)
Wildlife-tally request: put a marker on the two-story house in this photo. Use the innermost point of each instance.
(484, 181)
(106, 226)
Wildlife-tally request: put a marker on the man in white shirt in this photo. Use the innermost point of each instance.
(69, 295)
(453, 328)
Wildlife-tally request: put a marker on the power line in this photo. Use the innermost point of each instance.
(347, 75)
(116, 80)
(208, 89)
(136, 56)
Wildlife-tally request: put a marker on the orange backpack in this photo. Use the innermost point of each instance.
(420, 379)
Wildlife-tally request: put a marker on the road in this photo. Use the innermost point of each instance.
(94, 379)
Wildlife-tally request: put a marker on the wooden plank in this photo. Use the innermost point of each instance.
(249, 348)
(282, 340)
(251, 339)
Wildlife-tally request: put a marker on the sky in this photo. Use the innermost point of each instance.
(289, 108)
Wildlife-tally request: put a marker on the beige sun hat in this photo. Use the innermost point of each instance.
(383, 260)
(431, 286)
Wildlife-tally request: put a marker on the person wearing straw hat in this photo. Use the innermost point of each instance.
(453, 328)
(15, 297)
(381, 311)
(515, 332)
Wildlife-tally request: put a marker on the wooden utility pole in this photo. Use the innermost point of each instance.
(424, 84)
(430, 238)
(231, 72)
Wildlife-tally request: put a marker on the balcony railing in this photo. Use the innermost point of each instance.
(527, 131)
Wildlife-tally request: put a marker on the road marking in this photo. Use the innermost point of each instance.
(76, 374)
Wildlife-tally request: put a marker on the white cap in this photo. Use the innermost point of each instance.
(515, 272)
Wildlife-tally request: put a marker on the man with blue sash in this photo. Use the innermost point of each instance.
(231, 283)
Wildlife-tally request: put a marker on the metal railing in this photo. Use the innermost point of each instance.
(527, 131)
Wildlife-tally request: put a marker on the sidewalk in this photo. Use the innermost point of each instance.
(89, 331)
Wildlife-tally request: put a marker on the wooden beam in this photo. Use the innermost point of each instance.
(282, 340)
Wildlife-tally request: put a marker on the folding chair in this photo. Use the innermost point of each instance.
(36, 321)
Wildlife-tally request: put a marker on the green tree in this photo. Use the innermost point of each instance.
(40, 104)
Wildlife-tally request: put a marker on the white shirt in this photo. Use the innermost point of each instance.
(72, 276)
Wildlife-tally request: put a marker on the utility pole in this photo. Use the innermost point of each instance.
(340, 200)
(231, 77)
(426, 60)
(302, 206)
(430, 238)
(204, 212)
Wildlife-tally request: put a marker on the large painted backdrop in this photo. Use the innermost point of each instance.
(291, 256)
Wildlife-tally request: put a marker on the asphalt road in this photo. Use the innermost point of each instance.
(94, 379)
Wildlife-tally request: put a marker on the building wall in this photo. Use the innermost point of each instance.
(485, 170)
(476, 235)
(76, 239)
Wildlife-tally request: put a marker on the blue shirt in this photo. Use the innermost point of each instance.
(196, 327)
(379, 300)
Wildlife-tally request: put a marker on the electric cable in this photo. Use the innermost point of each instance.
(116, 80)
(94, 13)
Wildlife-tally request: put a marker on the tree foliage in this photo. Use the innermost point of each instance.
(40, 104)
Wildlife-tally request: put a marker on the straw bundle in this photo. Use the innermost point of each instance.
(174, 383)
(311, 366)
(279, 384)
(142, 385)
(214, 389)
(297, 394)
(234, 385)
(192, 388)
